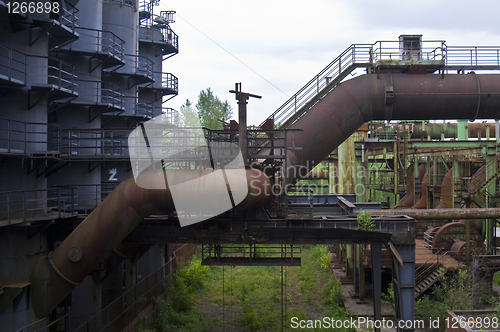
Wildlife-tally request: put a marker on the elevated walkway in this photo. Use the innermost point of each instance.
(385, 56)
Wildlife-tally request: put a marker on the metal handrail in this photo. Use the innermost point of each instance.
(431, 50)
(112, 94)
(61, 199)
(67, 17)
(170, 81)
(103, 40)
(105, 92)
(94, 142)
(425, 270)
(116, 316)
(367, 55)
(144, 108)
(169, 115)
(25, 204)
(168, 35)
(131, 3)
(12, 64)
(473, 57)
(55, 72)
(480, 178)
(354, 54)
(26, 137)
(144, 66)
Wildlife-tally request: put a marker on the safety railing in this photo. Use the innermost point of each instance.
(102, 92)
(430, 266)
(100, 143)
(170, 115)
(100, 40)
(23, 205)
(355, 55)
(135, 65)
(368, 55)
(55, 202)
(484, 175)
(120, 313)
(154, 24)
(144, 108)
(144, 66)
(420, 51)
(169, 81)
(166, 82)
(52, 71)
(131, 3)
(111, 94)
(67, 16)
(44, 325)
(473, 57)
(12, 65)
(26, 137)
(85, 196)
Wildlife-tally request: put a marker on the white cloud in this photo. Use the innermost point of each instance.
(288, 42)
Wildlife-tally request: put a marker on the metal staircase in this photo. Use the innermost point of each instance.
(383, 56)
(429, 272)
(488, 173)
(427, 278)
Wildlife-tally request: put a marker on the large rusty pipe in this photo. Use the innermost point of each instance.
(389, 97)
(449, 130)
(422, 202)
(57, 273)
(446, 201)
(408, 199)
(447, 214)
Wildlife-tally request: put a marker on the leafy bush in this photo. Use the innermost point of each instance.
(176, 311)
(455, 292)
(365, 221)
(249, 320)
(426, 308)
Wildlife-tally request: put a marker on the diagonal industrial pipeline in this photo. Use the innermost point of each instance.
(325, 126)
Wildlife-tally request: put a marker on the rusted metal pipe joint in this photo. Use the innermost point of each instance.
(56, 274)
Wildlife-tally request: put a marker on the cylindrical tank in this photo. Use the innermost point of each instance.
(121, 18)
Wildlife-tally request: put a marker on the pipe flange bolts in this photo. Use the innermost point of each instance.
(75, 254)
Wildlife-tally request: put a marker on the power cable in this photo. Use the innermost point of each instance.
(231, 54)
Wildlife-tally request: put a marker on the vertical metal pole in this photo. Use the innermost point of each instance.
(497, 130)
(8, 135)
(242, 129)
(376, 252)
(8, 207)
(355, 269)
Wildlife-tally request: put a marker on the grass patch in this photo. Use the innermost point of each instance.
(244, 298)
(496, 278)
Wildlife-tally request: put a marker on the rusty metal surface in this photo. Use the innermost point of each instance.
(408, 199)
(415, 97)
(106, 227)
(422, 202)
(446, 201)
(445, 236)
(449, 130)
(446, 214)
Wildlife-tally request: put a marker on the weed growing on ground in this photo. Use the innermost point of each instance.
(251, 298)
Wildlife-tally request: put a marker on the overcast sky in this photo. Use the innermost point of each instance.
(289, 42)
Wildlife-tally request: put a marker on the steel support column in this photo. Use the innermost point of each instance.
(403, 280)
(376, 252)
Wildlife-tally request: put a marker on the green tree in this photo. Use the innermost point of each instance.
(211, 109)
(189, 115)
